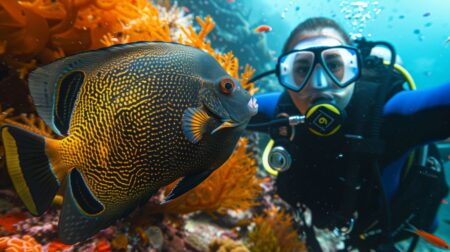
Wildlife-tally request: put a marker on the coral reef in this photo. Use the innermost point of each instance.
(227, 60)
(274, 232)
(223, 190)
(36, 32)
(15, 244)
(66, 27)
(42, 228)
(227, 245)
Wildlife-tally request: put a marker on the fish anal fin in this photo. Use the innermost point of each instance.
(82, 214)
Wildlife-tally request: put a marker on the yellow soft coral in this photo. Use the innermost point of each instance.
(274, 233)
(227, 245)
(233, 186)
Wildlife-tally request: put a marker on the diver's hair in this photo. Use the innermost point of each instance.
(314, 24)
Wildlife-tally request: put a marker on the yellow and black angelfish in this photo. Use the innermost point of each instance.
(134, 118)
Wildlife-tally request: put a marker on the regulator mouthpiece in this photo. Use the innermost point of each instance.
(324, 119)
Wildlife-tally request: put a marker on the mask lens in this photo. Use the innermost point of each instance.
(295, 69)
(341, 64)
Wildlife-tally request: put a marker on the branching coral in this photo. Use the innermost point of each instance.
(34, 32)
(65, 27)
(228, 61)
(274, 233)
(175, 17)
(29, 122)
(233, 186)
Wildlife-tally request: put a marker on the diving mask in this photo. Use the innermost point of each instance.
(341, 63)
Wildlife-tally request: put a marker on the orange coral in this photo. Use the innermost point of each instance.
(44, 30)
(228, 61)
(7, 221)
(227, 245)
(26, 243)
(29, 122)
(274, 233)
(40, 31)
(233, 186)
(56, 246)
(103, 246)
(120, 242)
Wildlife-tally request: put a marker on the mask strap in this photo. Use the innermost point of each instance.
(262, 75)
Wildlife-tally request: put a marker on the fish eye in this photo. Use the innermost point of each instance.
(227, 86)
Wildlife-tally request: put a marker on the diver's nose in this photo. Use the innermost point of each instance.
(252, 106)
(319, 79)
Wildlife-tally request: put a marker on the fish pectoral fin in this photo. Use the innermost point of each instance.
(226, 124)
(194, 124)
(186, 184)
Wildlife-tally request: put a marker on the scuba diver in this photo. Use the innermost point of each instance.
(351, 141)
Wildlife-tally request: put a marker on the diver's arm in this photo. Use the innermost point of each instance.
(266, 110)
(416, 117)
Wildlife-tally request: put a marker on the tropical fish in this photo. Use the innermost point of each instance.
(263, 28)
(134, 118)
(430, 238)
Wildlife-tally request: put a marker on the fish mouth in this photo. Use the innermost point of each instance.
(252, 106)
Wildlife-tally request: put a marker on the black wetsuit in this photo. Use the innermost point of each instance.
(410, 119)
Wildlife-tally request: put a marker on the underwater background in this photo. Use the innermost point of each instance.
(221, 214)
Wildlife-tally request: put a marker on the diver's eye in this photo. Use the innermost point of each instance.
(227, 86)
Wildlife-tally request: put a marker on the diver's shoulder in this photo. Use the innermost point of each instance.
(267, 104)
(268, 97)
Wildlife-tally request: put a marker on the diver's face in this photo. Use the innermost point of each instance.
(319, 85)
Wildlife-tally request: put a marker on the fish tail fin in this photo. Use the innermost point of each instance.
(30, 168)
(410, 228)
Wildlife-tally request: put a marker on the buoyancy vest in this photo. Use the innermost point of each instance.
(338, 177)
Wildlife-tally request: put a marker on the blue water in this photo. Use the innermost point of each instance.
(417, 29)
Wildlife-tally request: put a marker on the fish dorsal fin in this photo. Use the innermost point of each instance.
(57, 79)
(67, 90)
(60, 80)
